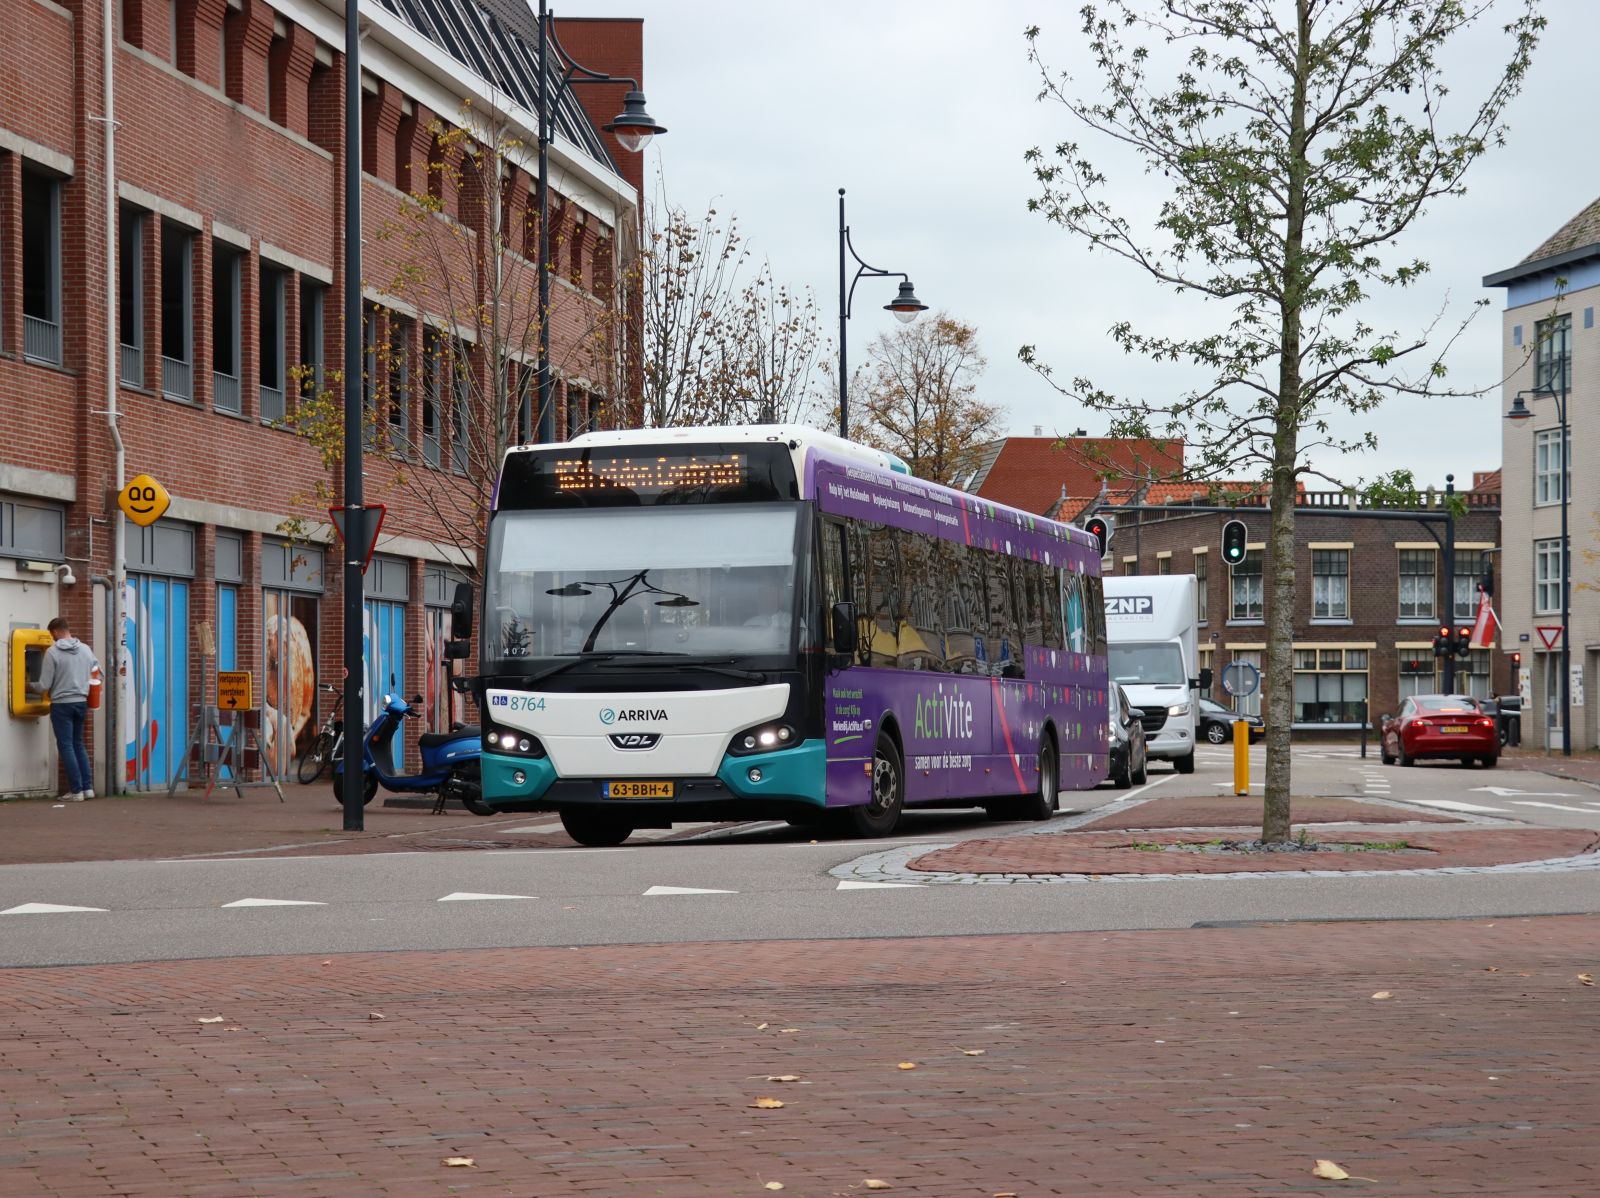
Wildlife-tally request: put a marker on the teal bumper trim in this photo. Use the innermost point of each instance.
(799, 773)
(500, 785)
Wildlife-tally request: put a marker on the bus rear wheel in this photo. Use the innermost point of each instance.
(881, 813)
(1041, 804)
(595, 831)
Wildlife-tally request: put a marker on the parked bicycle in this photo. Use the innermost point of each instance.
(328, 745)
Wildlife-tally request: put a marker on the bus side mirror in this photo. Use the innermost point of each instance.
(461, 613)
(457, 650)
(844, 628)
(1205, 679)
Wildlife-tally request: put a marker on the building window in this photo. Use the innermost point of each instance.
(1163, 565)
(577, 411)
(1473, 676)
(177, 312)
(1250, 704)
(460, 401)
(130, 293)
(399, 397)
(1202, 596)
(312, 295)
(270, 349)
(433, 371)
(1330, 584)
(1207, 656)
(225, 327)
(369, 375)
(1330, 686)
(1471, 564)
(1547, 576)
(1553, 357)
(1416, 584)
(1249, 591)
(41, 268)
(1550, 479)
(1417, 677)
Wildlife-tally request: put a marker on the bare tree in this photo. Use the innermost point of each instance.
(1291, 144)
(919, 397)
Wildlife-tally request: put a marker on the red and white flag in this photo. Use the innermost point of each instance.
(1486, 628)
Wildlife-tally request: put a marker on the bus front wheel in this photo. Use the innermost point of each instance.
(595, 831)
(881, 813)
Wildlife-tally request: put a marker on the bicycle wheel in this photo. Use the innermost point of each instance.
(316, 757)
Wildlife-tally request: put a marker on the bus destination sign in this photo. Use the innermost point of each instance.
(651, 475)
(570, 476)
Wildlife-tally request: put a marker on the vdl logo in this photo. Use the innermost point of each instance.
(607, 716)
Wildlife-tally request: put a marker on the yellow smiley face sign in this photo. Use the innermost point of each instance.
(143, 500)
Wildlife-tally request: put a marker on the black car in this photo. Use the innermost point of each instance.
(1125, 739)
(1216, 724)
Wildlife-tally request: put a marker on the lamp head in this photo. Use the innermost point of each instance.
(906, 305)
(1519, 410)
(571, 591)
(635, 127)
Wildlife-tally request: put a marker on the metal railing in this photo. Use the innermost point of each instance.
(225, 389)
(133, 365)
(273, 407)
(177, 379)
(41, 340)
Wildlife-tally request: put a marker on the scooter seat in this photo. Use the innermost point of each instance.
(432, 740)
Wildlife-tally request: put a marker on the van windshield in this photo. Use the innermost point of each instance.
(1147, 664)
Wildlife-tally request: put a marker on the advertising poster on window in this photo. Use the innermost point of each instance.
(288, 723)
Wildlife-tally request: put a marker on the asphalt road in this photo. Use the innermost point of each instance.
(749, 882)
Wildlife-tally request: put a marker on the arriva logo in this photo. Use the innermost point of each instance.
(607, 715)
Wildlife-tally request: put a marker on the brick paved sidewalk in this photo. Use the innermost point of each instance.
(1223, 811)
(1211, 1061)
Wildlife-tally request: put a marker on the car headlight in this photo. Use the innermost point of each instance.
(1178, 709)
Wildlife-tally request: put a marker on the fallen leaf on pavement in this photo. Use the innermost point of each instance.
(460, 1162)
(773, 1185)
(973, 1052)
(872, 1183)
(209, 1019)
(788, 1029)
(783, 1077)
(767, 1104)
(328, 962)
(1006, 1194)
(1586, 978)
(374, 1015)
(1329, 1171)
(1383, 994)
(761, 1027)
(907, 1065)
(1491, 969)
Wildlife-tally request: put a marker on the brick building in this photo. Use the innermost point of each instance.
(197, 295)
(1550, 345)
(1370, 597)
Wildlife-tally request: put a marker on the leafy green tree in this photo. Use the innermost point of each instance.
(1289, 144)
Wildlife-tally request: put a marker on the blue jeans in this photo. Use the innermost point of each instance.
(66, 720)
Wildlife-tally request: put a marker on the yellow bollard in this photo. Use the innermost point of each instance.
(1241, 757)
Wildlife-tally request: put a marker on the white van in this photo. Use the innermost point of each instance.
(1151, 625)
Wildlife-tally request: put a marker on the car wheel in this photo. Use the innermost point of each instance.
(1185, 764)
(1383, 753)
(1405, 758)
(1217, 733)
(879, 815)
(593, 830)
(1490, 760)
(1122, 772)
(1143, 775)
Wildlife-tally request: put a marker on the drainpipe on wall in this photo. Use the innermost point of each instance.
(119, 543)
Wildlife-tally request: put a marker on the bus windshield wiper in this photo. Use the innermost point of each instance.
(581, 658)
(722, 666)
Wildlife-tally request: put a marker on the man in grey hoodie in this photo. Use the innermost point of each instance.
(64, 676)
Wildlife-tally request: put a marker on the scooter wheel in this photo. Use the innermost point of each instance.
(369, 787)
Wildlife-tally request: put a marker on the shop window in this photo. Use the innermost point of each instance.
(1330, 686)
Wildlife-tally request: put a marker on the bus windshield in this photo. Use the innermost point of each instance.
(1154, 663)
(691, 580)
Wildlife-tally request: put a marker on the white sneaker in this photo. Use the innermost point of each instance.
(86, 794)
(72, 796)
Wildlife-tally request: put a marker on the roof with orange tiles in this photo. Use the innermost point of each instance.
(1031, 473)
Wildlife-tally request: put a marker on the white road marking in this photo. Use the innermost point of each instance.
(1452, 805)
(467, 896)
(45, 909)
(255, 902)
(1551, 806)
(534, 829)
(655, 891)
(1505, 792)
(847, 885)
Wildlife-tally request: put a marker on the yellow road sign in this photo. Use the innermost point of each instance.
(234, 690)
(143, 500)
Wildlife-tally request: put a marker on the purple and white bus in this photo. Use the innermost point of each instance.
(773, 622)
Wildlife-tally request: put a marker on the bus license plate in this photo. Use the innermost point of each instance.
(1454, 728)
(638, 790)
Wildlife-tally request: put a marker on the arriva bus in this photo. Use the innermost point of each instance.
(772, 622)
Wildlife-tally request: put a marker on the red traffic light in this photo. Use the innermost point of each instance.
(1516, 659)
(1099, 528)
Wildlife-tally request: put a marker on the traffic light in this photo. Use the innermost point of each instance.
(1463, 640)
(1516, 661)
(1443, 644)
(1099, 527)
(1234, 536)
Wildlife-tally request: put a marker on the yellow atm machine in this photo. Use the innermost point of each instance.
(28, 646)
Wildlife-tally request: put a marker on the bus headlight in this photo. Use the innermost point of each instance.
(763, 738)
(510, 740)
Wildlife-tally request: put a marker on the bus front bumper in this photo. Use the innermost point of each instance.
(785, 782)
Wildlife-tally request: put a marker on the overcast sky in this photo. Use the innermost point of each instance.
(923, 109)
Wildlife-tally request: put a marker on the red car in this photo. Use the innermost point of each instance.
(1440, 726)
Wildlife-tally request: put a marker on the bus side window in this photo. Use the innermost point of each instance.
(832, 536)
(1095, 605)
(1054, 626)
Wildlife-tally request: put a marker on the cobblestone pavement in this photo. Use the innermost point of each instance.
(1437, 1058)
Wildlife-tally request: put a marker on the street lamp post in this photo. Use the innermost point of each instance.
(1520, 412)
(634, 129)
(905, 306)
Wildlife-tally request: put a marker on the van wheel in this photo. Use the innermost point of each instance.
(1185, 764)
(1041, 804)
(881, 813)
(595, 831)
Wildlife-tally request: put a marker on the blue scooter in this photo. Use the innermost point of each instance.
(449, 760)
